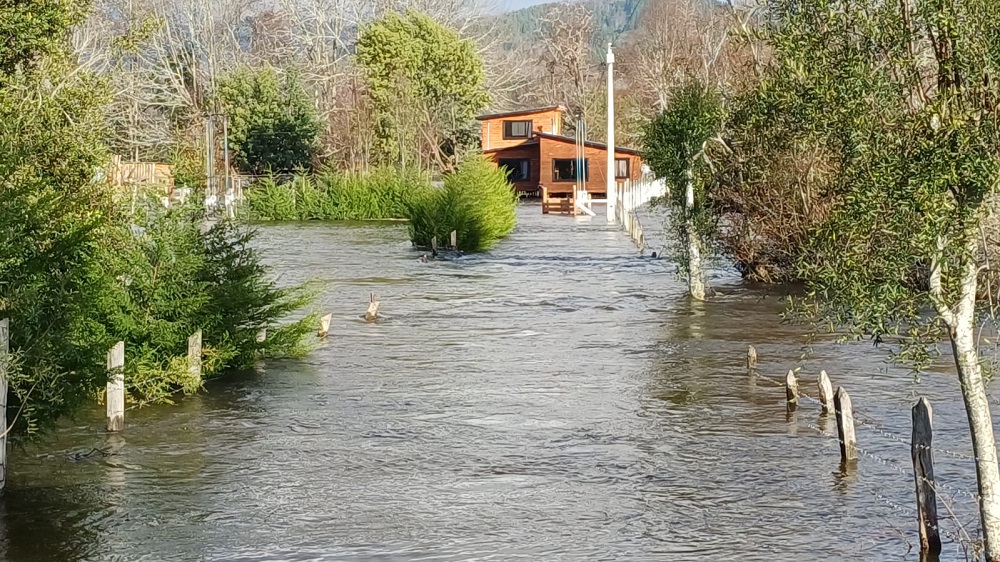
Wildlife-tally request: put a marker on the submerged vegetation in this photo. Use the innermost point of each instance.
(477, 201)
(379, 195)
(175, 277)
(82, 266)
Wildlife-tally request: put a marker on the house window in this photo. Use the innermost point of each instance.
(622, 168)
(565, 169)
(516, 129)
(517, 169)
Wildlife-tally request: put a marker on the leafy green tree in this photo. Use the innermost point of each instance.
(677, 146)
(426, 85)
(904, 96)
(55, 212)
(78, 273)
(33, 30)
(273, 124)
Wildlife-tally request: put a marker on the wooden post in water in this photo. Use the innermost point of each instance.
(845, 426)
(791, 391)
(454, 239)
(826, 393)
(923, 476)
(324, 325)
(116, 387)
(751, 357)
(372, 314)
(434, 244)
(194, 355)
(4, 359)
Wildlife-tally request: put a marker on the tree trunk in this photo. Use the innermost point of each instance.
(962, 332)
(696, 274)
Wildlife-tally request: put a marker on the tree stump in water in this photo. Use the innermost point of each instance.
(324, 325)
(372, 314)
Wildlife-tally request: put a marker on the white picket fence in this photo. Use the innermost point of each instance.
(629, 198)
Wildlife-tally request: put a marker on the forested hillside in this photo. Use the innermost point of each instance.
(613, 20)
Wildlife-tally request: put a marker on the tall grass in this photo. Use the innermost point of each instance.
(477, 201)
(378, 195)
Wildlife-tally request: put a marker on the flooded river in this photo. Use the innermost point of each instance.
(556, 399)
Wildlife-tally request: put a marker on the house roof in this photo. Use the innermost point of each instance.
(533, 141)
(521, 112)
(591, 144)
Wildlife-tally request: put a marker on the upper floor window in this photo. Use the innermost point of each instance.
(564, 169)
(622, 168)
(517, 129)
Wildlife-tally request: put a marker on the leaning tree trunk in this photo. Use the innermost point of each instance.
(961, 328)
(696, 273)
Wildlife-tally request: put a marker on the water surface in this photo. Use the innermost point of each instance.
(555, 399)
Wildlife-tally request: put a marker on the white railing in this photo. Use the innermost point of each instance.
(631, 196)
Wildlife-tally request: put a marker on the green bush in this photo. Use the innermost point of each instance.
(381, 194)
(79, 270)
(477, 201)
(172, 278)
(273, 124)
(55, 214)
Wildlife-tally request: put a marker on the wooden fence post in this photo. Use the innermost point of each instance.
(194, 355)
(845, 426)
(826, 392)
(116, 387)
(751, 357)
(4, 359)
(923, 476)
(324, 325)
(454, 239)
(372, 314)
(791, 391)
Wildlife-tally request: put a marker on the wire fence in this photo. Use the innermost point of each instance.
(948, 494)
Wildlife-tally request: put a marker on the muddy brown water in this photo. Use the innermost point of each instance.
(555, 399)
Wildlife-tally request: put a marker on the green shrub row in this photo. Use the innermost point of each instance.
(378, 195)
(477, 201)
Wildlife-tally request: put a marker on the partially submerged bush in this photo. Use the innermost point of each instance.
(378, 195)
(477, 201)
(174, 278)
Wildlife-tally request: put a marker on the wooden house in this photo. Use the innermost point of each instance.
(530, 145)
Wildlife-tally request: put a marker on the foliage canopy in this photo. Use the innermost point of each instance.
(273, 124)
(426, 84)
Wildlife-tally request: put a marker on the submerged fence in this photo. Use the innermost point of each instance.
(116, 389)
(928, 490)
(629, 198)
